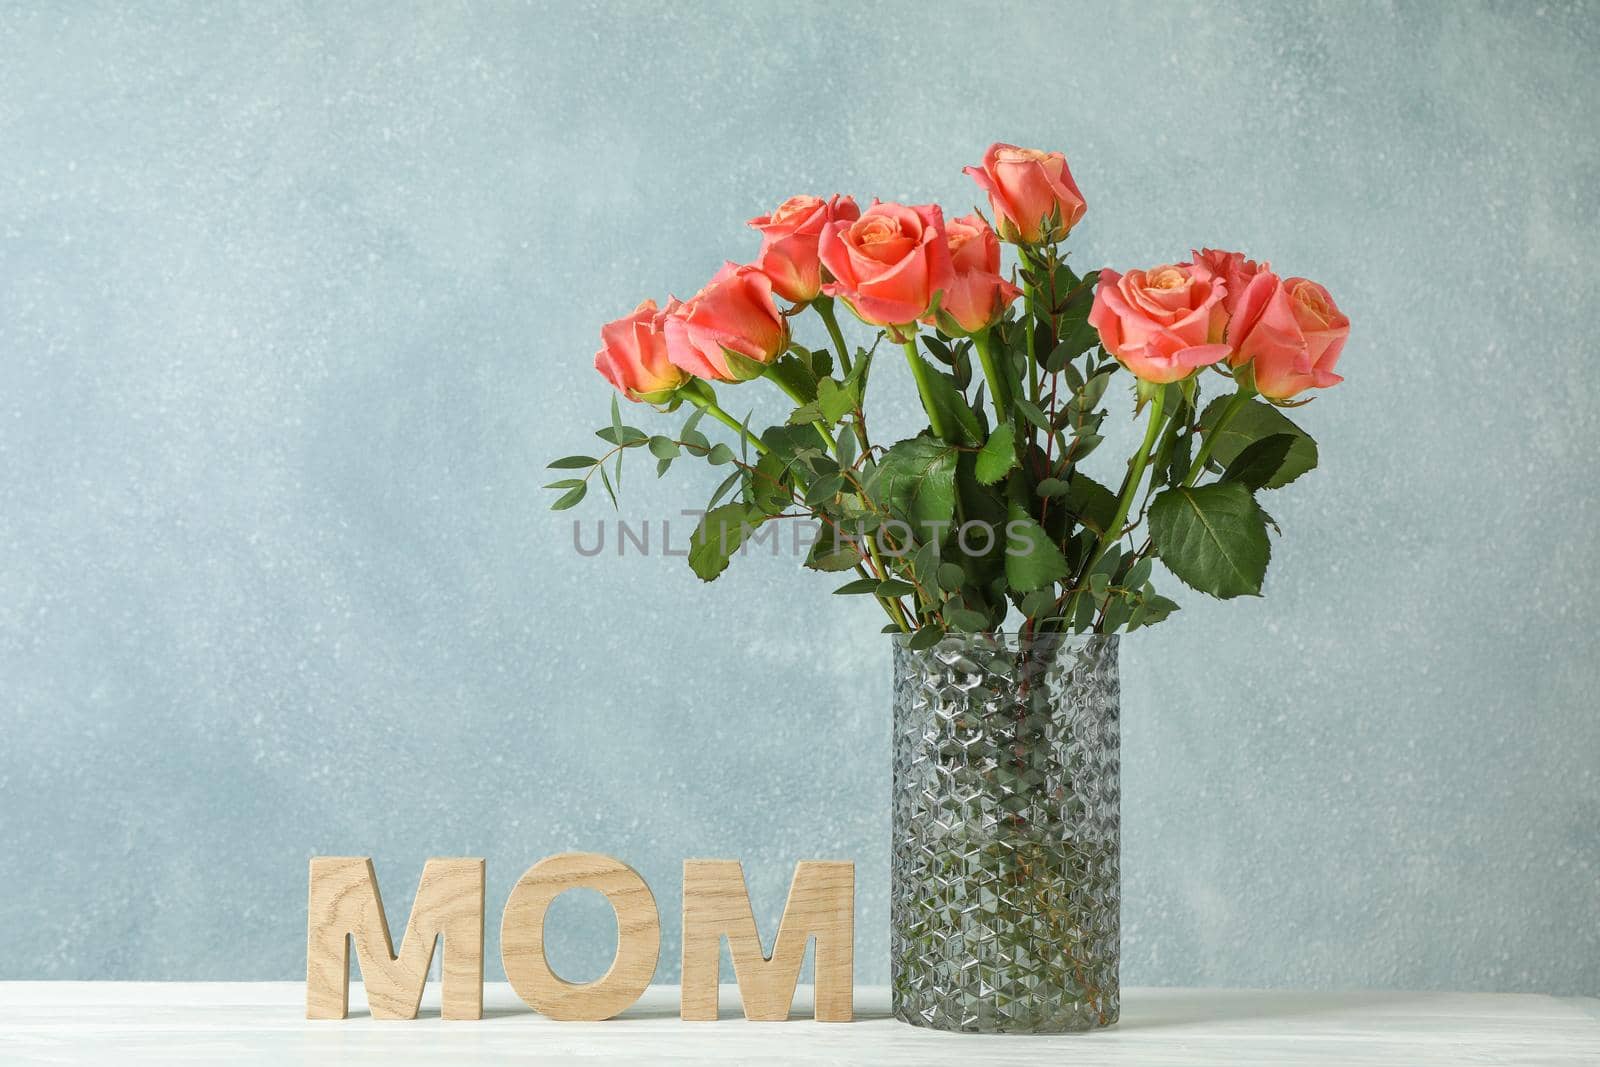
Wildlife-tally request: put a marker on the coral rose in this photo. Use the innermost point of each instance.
(1234, 270)
(789, 243)
(1163, 323)
(730, 330)
(633, 355)
(978, 295)
(1032, 193)
(1290, 332)
(890, 263)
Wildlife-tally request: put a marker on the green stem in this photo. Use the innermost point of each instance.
(822, 430)
(1130, 489)
(709, 405)
(1208, 440)
(897, 614)
(1028, 301)
(1169, 439)
(921, 371)
(824, 306)
(999, 384)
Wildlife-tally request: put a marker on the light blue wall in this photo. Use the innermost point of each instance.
(297, 300)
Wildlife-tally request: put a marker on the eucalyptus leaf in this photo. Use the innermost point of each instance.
(857, 587)
(834, 553)
(967, 620)
(1032, 414)
(1051, 487)
(621, 435)
(571, 497)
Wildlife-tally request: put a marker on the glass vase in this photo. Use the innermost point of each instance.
(1005, 892)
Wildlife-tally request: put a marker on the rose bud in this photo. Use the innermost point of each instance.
(979, 294)
(1164, 323)
(888, 264)
(1032, 193)
(1291, 334)
(730, 330)
(789, 243)
(633, 356)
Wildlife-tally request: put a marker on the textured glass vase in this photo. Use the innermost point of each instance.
(1005, 903)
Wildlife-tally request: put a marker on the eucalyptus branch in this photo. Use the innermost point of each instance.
(707, 402)
(1130, 486)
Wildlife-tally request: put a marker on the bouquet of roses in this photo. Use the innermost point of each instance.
(990, 507)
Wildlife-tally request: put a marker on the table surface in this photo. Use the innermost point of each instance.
(241, 1023)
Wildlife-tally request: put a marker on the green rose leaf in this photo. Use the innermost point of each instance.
(997, 456)
(720, 533)
(835, 400)
(1212, 537)
(1253, 422)
(957, 414)
(1032, 559)
(1077, 337)
(1259, 462)
(796, 376)
(1092, 503)
(916, 481)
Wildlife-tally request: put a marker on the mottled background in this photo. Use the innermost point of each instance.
(296, 300)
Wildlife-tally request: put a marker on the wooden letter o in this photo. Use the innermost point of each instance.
(522, 937)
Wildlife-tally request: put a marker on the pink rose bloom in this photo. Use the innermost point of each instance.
(1032, 193)
(1234, 270)
(1163, 323)
(730, 330)
(1291, 332)
(889, 263)
(633, 355)
(789, 243)
(978, 295)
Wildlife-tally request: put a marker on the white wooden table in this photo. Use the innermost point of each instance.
(261, 1023)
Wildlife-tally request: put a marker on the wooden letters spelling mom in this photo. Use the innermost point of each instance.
(345, 906)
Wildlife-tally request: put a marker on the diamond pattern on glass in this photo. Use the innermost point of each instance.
(1005, 905)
